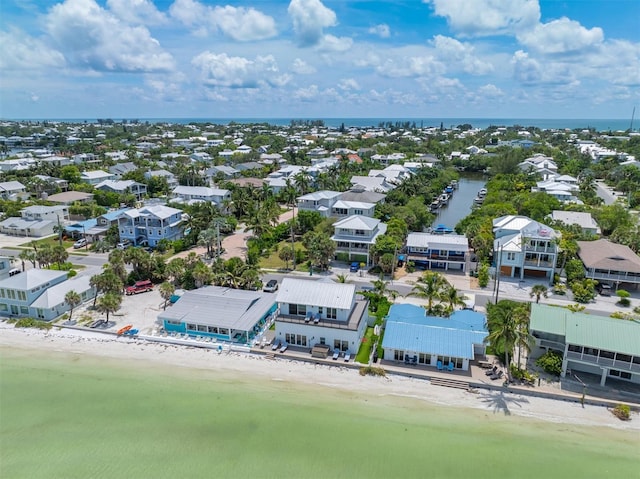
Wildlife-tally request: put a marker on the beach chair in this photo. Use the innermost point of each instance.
(450, 366)
(284, 347)
(347, 356)
(439, 365)
(308, 317)
(336, 354)
(499, 374)
(316, 318)
(491, 371)
(414, 360)
(276, 345)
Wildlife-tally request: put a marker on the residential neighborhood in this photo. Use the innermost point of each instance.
(309, 240)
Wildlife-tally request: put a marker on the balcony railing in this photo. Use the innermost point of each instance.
(358, 313)
(609, 363)
(538, 264)
(608, 276)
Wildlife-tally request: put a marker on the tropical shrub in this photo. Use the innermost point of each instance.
(551, 362)
(372, 371)
(32, 323)
(624, 297)
(622, 412)
(483, 275)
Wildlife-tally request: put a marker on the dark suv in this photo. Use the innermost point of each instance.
(603, 289)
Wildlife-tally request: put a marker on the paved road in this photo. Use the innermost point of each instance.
(92, 259)
(606, 193)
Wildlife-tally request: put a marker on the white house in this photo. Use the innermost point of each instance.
(314, 313)
(189, 194)
(438, 251)
(584, 220)
(123, 187)
(320, 201)
(96, 176)
(354, 236)
(39, 212)
(11, 189)
(524, 247)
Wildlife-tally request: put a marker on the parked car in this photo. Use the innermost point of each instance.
(271, 286)
(603, 289)
(123, 245)
(139, 287)
(81, 243)
(355, 267)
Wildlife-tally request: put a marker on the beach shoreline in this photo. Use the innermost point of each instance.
(247, 367)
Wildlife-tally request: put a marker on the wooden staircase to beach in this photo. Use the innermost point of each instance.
(449, 383)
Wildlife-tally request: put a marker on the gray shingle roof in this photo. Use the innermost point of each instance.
(316, 293)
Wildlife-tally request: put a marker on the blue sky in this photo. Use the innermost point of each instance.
(319, 58)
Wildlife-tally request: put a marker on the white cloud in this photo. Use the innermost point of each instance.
(561, 36)
(526, 70)
(453, 51)
(221, 70)
(309, 18)
(90, 36)
(306, 94)
(238, 23)
(23, 52)
(330, 43)
(382, 30)
(490, 91)
(142, 12)
(488, 17)
(348, 84)
(244, 24)
(301, 67)
(425, 66)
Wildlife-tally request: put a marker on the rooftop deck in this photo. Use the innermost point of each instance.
(357, 314)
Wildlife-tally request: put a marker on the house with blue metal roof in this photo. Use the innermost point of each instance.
(410, 336)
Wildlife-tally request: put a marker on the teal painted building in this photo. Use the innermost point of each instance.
(224, 314)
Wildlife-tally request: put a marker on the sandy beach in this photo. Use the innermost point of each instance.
(248, 367)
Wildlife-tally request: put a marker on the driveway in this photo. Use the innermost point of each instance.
(606, 193)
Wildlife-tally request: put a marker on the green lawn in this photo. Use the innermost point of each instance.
(75, 416)
(52, 241)
(364, 353)
(274, 262)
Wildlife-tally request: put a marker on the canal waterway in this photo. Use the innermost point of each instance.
(461, 202)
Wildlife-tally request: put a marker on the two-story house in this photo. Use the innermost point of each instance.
(354, 237)
(35, 221)
(343, 208)
(123, 187)
(172, 181)
(96, 176)
(524, 247)
(39, 293)
(438, 251)
(592, 344)
(150, 224)
(319, 201)
(12, 189)
(40, 212)
(190, 194)
(610, 263)
(323, 313)
(584, 220)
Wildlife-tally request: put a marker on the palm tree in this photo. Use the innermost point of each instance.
(59, 229)
(73, 299)
(429, 287)
(28, 255)
(201, 274)
(175, 270)
(341, 278)
(109, 303)
(451, 297)
(538, 290)
(503, 324)
(166, 291)
(381, 288)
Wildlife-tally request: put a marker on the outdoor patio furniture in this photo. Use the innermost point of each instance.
(284, 347)
(450, 366)
(499, 374)
(439, 365)
(492, 371)
(316, 319)
(276, 345)
(336, 354)
(347, 356)
(414, 360)
(308, 317)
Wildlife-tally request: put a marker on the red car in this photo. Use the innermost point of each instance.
(139, 287)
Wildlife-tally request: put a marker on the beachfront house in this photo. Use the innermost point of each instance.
(355, 236)
(524, 247)
(224, 314)
(320, 313)
(150, 224)
(606, 347)
(610, 263)
(39, 293)
(412, 337)
(431, 251)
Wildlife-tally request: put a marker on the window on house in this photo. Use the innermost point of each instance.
(323, 340)
(424, 358)
(606, 354)
(212, 330)
(4, 307)
(398, 355)
(358, 212)
(332, 313)
(2, 293)
(223, 331)
(192, 327)
(361, 233)
(22, 295)
(298, 309)
(11, 294)
(24, 310)
(575, 349)
(201, 328)
(511, 256)
(623, 357)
